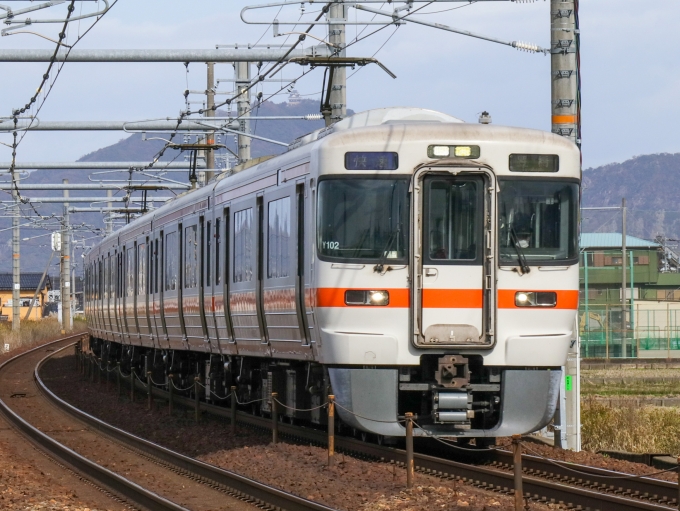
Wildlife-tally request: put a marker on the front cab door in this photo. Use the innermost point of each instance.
(453, 257)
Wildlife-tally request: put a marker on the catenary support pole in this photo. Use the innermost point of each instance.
(336, 36)
(65, 279)
(624, 285)
(210, 104)
(16, 261)
(564, 51)
(242, 71)
(107, 218)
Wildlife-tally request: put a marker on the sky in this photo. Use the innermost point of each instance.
(630, 71)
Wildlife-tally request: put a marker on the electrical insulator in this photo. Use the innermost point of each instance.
(526, 46)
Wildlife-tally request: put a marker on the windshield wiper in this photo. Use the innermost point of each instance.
(380, 266)
(521, 258)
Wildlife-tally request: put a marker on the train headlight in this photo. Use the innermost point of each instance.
(441, 151)
(362, 297)
(535, 299)
(462, 151)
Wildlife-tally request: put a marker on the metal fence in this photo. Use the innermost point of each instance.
(649, 331)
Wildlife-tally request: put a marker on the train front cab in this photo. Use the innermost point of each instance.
(493, 264)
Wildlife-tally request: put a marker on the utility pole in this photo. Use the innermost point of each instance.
(210, 95)
(564, 50)
(243, 107)
(623, 277)
(16, 261)
(336, 36)
(108, 223)
(65, 278)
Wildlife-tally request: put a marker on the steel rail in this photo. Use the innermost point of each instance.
(253, 490)
(607, 480)
(88, 469)
(580, 490)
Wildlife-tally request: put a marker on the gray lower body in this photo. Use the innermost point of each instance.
(367, 400)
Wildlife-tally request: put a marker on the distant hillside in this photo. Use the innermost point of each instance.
(35, 253)
(651, 187)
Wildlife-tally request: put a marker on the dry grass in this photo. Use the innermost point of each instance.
(647, 429)
(34, 332)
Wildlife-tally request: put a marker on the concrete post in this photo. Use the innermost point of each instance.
(564, 67)
(16, 261)
(242, 70)
(517, 470)
(331, 429)
(410, 465)
(233, 410)
(275, 418)
(65, 277)
(210, 103)
(336, 36)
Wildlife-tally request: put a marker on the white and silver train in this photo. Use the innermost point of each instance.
(401, 259)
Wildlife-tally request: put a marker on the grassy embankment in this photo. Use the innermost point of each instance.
(33, 333)
(630, 427)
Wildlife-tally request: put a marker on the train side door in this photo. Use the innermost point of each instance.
(157, 286)
(172, 287)
(210, 268)
(244, 289)
(281, 307)
(452, 257)
(222, 283)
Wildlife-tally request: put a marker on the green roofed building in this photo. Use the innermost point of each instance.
(651, 327)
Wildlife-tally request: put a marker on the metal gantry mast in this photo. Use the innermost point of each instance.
(16, 261)
(564, 56)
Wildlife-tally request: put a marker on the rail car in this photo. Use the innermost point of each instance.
(401, 259)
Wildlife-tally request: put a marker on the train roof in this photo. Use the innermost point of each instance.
(362, 128)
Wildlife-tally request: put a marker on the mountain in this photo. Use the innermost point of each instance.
(647, 182)
(651, 188)
(35, 253)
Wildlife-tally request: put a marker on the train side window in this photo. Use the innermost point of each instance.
(218, 274)
(190, 257)
(208, 253)
(243, 245)
(130, 273)
(141, 281)
(278, 239)
(171, 262)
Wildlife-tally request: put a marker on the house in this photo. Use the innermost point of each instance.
(651, 325)
(29, 282)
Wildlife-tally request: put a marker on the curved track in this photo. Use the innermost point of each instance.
(545, 480)
(143, 474)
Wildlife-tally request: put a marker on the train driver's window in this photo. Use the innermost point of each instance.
(243, 245)
(452, 219)
(278, 239)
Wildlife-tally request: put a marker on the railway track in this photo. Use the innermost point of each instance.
(572, 485)
(146, 476)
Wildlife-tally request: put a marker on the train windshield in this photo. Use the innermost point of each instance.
(537, 221)
(363, 219)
